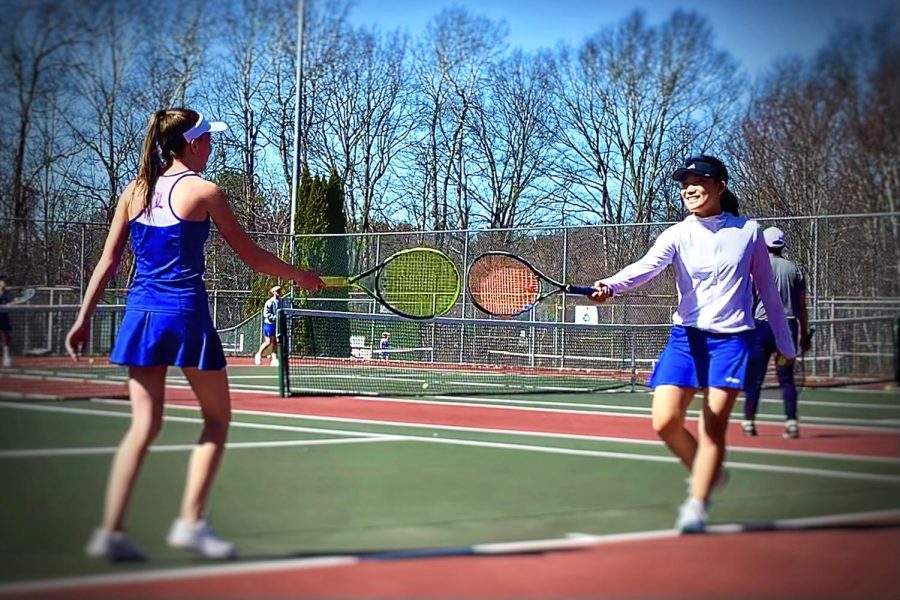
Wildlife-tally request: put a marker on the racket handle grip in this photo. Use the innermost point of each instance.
(583, 290)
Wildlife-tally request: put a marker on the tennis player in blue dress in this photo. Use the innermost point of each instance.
(167, 211)
(717, 257)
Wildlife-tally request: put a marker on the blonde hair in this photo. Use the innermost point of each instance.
(162, 143)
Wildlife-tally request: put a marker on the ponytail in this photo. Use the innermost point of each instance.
(164, 140)
(151, 164)
(729, 202)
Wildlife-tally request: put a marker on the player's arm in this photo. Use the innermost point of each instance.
(803, 321)
(105, 268)
(637, 274)
(258, 259)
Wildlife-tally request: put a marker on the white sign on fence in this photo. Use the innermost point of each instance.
(587, 315)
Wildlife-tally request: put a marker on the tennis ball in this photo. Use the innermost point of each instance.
(425, 386)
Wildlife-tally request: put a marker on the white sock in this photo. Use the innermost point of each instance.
(696, 503)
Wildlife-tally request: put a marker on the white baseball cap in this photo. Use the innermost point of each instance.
(774, 237)
(203, 126)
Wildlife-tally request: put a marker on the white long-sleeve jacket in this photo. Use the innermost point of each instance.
(714, 259)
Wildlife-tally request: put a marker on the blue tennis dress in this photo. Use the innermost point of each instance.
(167, 320)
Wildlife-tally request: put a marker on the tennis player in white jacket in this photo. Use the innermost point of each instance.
(717, 256)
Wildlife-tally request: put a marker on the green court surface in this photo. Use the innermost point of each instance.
(293, 485)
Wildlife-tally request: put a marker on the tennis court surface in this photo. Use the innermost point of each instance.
(464, 459)
(514, 495)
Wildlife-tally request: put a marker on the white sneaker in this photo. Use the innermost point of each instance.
(7, 361)
(275, 362)
(113, 546)
(691, 516)
(257, 359)
(199, 538)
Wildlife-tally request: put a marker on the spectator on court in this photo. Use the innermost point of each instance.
(714, 252)
(5, 325)
(792, 290)
(167, 211)
(384, 344)
(270, 336)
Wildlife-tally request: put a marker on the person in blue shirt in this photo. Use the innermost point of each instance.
(384, 345)
(270, 336)
(167, 211)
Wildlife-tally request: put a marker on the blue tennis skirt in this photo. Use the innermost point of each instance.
(694, 358)
(151, 339)
(269, 329)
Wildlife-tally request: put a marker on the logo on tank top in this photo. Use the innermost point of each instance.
(157, 200)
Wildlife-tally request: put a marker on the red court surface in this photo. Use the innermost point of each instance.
(846, 562)
(824, 564)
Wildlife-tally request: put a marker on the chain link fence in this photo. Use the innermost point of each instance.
(852, 264)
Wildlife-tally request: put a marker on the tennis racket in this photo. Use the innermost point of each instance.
(505, 285)
(24, 296)
(800, 371)
(418, 283)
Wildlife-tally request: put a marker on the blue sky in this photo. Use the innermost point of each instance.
(755, 32)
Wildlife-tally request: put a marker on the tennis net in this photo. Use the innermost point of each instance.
(329, 352)
(343, 353)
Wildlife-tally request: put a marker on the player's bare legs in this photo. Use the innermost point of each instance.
(146, 386)
(717, 405)
(211, 389)
(670, 404)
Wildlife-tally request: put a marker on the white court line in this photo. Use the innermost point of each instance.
(571, 542)
(177, 574)
(126, 415)
(851, 423)
(517, 432)
(606, 454)
(43, 452)
(567, 451)
(468, 399)
(670, 459)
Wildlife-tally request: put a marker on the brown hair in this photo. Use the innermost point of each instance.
(163, 142)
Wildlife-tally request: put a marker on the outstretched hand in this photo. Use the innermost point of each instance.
(602, 294)
(76, 338)
(309, 281)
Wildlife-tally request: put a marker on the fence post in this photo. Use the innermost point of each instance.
(465, 273)
(81, 275)
(633, 361)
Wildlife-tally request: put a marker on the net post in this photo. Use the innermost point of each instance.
(897, 350)
(633, 362)
(281, 332)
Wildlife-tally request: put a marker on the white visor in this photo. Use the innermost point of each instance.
(203, 126)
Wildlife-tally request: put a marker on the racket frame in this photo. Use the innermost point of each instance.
(557, 287)
(379, 269)
(24, 296)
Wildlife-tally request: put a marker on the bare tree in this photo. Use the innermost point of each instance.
(656, 94)
(820, 137)
(102, 117)
(368, 119)
(243, 69)
(450, 66)
(512, 143)
(34, 40)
